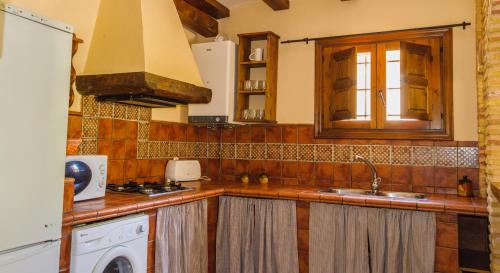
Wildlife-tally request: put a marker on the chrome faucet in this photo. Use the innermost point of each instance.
(375, 179)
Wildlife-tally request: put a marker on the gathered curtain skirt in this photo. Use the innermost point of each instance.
(349, 239)
(181, 239)
(256, 236)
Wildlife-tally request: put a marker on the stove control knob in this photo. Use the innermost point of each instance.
(101, 183)
(102, 170)
(140, 229)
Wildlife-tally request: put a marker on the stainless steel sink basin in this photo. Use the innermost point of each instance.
(407, 195)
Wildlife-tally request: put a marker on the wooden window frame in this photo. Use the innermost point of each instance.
(352, 132)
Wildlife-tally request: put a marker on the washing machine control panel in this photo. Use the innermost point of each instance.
(102, 235)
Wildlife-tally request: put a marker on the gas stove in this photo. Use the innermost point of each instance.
(150, 189)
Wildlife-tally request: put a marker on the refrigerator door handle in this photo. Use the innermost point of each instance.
(21, 253)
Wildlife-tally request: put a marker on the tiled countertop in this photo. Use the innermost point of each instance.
(115, 204)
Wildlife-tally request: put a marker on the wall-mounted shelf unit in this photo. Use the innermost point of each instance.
(264, 70)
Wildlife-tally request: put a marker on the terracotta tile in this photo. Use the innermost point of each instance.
(273, 168)
(290, 181)
(130, 169)
(290, 169)
(463, 205)
(303, 262)
(384, 172)
(290, 134)
(306, 134)
(361, 185)
(445, 177)
(445, 190)
(179, 132)
(143, 168)
(303, 240)
(306, 170)
(354, 200)
(118, 149)
(201, 134)
(132, 130)
(104, 147)
(403, 204)
(131, 149)
(401, 187)
(341, 172)
(74, 127)
(447, 235)
(480, 206)
(360, 172)
(119, 129)
(401, 174)
(467, 144)
(214, 168)
(243, 134)
(446, 217)
(445, 143)
(379, 202)
(422, 176)
(399, 142)
(422, 189)
(213, 135)
(157, 167)
(273, 134)
(191, 134)
(431, 205)
(324, 170)
(302, 216)
(422, 143)
(446, 260)
(241, 166)
(258, 134)
(228, 166)
(105, 128)
(331, 198)
(256, 167)
(229, 179)
(309, 195)
(117, 169)
(228, 135)
(360, 141)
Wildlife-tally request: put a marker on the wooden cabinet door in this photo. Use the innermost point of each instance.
(343, 69)
(416, 100)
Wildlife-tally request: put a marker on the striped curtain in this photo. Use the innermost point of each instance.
(181, 239)
(256, 236)
(349, 239)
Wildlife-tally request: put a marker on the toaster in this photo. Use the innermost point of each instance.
(183, 170)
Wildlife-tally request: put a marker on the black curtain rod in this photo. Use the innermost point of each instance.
(464, 25)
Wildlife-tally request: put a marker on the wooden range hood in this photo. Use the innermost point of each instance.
(140, 55)
(142, 89)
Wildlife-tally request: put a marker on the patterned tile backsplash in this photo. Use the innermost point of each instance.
(288, 153)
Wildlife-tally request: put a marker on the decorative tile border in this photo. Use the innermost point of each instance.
(95, 109)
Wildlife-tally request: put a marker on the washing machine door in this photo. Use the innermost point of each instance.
(119, 259)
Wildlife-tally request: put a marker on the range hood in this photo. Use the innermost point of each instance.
(139, 55)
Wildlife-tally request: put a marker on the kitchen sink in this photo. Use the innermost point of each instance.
(388, 194)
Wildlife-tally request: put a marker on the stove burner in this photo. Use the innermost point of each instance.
(148, 188)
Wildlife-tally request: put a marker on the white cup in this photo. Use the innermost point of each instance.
(257, 54)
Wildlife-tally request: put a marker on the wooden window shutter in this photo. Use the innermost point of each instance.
(343, 69)
(416, 98)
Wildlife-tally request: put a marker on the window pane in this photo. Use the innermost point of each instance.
(393, 84)
(363, 86)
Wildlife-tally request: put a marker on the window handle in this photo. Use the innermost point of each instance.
(381, 95)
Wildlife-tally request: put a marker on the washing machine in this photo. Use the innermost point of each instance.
(116, 246)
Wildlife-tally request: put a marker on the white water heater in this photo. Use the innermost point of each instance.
(217, 65)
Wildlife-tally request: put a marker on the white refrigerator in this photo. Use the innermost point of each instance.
(35, 63)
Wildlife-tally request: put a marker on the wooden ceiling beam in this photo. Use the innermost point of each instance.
(196, 19)
(278, 4)
(212, 7)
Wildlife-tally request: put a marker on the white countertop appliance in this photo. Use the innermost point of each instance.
(119, 245)
(183, 170)
(89, 172)
(217, 65)
(35, 65)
